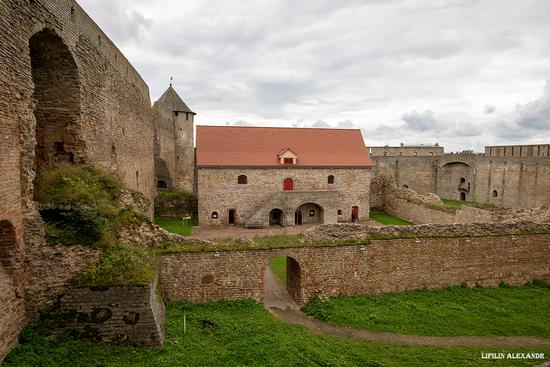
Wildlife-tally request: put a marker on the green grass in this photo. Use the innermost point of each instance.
(457, 204)
(278, 266)
(454, 311)
(177, 226)
(385, 218)
(244, 334)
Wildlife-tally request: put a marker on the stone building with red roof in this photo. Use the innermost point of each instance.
(257, 177)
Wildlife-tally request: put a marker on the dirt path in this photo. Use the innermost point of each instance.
(284, 308)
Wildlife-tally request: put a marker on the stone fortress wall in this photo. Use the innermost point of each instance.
(67, 94)
(509, 181)
(428, 259)
(219, 188)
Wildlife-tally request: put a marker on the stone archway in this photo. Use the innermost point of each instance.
(309, 213)
(276, 217)
(283, 283)
(57, 96)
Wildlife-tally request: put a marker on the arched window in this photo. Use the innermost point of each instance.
(161, 184)
(242, 180)
(330, 179)
(288, 184)
(312, 213)
(339, 211)
(462, 180)
(214, 215)
(495, 193)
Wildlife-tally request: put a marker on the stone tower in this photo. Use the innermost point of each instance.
(174, 146)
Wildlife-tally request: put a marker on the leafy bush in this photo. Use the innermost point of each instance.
(120, 265)
(85, 206)
(175, 203)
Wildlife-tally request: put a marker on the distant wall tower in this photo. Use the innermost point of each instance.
(174, 144)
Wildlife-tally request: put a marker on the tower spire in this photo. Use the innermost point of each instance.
(171, 80)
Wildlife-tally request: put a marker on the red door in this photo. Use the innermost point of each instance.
(288, 184)
(355, 214)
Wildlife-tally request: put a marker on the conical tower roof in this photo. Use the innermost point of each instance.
(171, 99)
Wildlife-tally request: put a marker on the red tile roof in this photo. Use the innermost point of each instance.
(258, 146)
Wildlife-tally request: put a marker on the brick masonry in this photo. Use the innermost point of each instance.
(133, 315)
(378, 267)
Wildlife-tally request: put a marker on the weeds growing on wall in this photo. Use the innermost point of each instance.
(120, 265)
(81, 206)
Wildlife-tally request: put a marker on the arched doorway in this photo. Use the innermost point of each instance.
(283, 283)
(57, 92)
(309, 213)
(276, 217)
(463, 196)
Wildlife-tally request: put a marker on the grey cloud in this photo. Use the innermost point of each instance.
(345, 124)
(321, 123)
(489, 109)
(297, 63)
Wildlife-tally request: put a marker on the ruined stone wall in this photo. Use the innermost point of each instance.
(381, 266)
(219, 191)
(110, 118)
(133, 315)
(504, 181)
(67, 92)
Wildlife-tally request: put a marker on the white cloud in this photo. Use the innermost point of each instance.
(382, 64)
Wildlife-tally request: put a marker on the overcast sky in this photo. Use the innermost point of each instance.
(463, 73)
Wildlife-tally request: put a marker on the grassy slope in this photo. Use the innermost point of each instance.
(453, 311)
(245, 334)
(177, 226)
(278, 266)
(456, 204)
(385, 218)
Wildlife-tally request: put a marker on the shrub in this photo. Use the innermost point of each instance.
(83, 206)
(120, 265)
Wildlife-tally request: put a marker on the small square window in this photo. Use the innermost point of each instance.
(312, 213)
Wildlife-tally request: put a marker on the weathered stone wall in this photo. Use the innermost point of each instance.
(133, 315)
(422, 214)
(110, 115)
(165, 156)
(380, 266)
(504, 181)
(68, 94)
(410, 151)
(220, 191)
(174, 146)
(541, 150)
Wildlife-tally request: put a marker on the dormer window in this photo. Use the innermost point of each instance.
(287, 157)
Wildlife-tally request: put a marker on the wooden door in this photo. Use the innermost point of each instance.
(355, 214)
(288, 184)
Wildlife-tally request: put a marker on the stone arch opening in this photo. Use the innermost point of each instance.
(309, 213)
(276, 217)
(57, 98)
(283, 283)
(495, 193)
